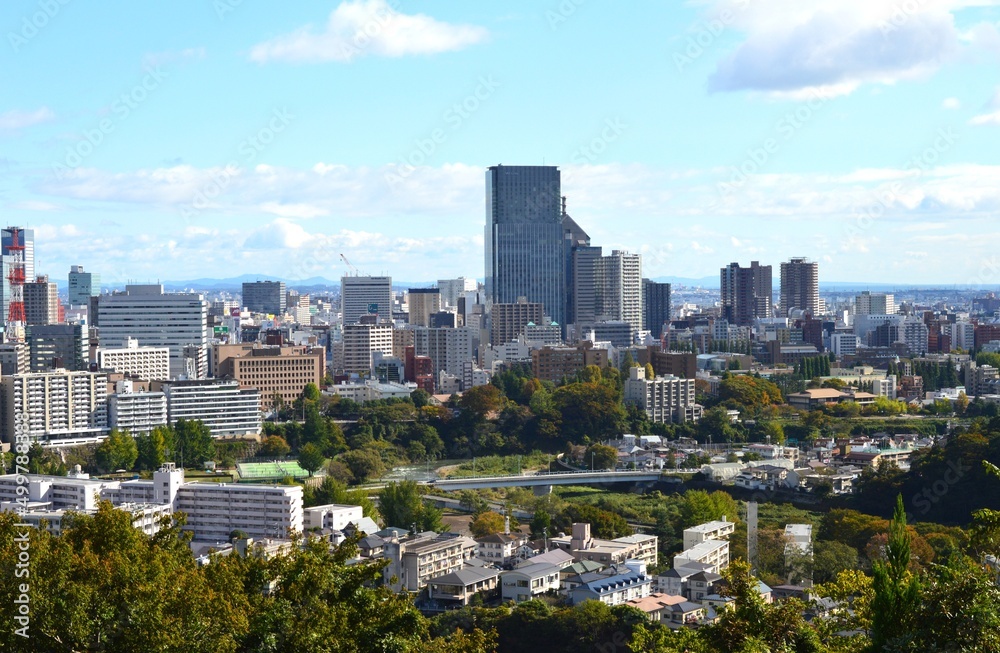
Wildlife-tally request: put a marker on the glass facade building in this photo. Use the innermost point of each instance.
(524, 237)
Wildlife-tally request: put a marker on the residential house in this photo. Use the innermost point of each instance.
(501, 549)
(529, 581)
(617, 589)
(458, 587)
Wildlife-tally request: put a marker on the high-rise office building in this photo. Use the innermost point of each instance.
(41, 301)
(265, 297)
(26, 238)
(177, 321)
(452, 289)
(878, 303)
(619, 289)
(800, 286)
(83, 286)
(423, 303)
(745, 292)
(54, 346)
(525, 255)
(365, 296)
(361, 341)
(507, 321)
(576, 252)
(655, 306)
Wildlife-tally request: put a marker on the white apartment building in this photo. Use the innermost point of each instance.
(220, 404)
(331, 516)
(136, 412)
(158, 319)
(361, 341)
(665, 399)
(74, 492)
(915, 334)
(452, 289)
(415, 561)
(962, 334)
(448, 349)
(885, 387)
(145, 517)
(844, 344)
(57, 408)
(713, 530)
(619, 291)
(359, 295)
(371, 390)
(149, 363)
(714, 553)
(879, 303)
(214, 510)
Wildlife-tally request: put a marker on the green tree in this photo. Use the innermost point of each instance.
(194, 442)
(420, 397)
(402, 506)
(591, 410)
(897, 591)
(152, 448)
(699, 507)
(117, 451)
(601, 456)
(831, 558)
(311, 392)
(365, 464)
(541, 524)
(311, 458)
(274, 446)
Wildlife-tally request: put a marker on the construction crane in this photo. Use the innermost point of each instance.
(350, 265)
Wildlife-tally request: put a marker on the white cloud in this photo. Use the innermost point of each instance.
(368, 27)
(807, 45)
(13, 120)
(293, 210)
(986, 119)
(952, 103)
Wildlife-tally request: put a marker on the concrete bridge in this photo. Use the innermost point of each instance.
(542, 482)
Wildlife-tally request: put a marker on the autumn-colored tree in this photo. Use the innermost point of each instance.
(487, 523)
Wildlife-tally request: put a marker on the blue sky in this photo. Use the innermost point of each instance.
(219, 137)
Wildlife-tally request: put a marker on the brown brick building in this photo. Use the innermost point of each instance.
(283, 371)
(553, 363)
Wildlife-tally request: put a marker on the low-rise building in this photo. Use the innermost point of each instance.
(331, 516)
(501, 549)
(607, 552)
(714, 553)
(415, 560)
(458, 587)
(616, 588)
(220, 404)
(529, 581)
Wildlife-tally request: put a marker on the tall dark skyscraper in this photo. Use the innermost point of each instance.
(746, 292)
(800, 286)
(655, 306)
(525, 252)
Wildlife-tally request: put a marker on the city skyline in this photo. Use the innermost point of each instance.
(134, 161)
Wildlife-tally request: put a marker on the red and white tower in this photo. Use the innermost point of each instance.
(16, 317)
